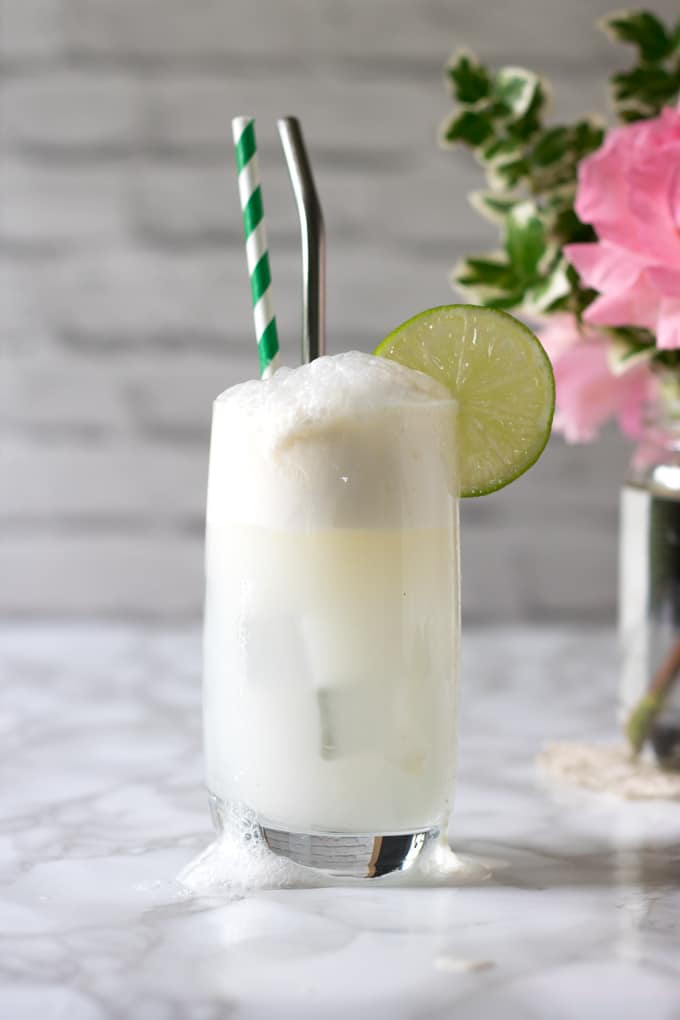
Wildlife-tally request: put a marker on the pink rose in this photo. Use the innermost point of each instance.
(588, 393)
(629, 190)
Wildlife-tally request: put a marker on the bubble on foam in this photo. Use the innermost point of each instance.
(325, 391)
(240, 862)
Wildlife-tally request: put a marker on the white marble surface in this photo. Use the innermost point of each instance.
(102, 806)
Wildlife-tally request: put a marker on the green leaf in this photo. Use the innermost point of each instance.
(587, 136)
(550, 147)
(670, 359)
(470, 80)
(507, 301)
(642, 29)
(501, 150)
(479, 271)
(567, 228)
(526, 126)
(629, 114)
(506, 176)
(636, 336)
(469, 128)
(516, 89)
(653, 86)
(488, 279)
(549, 291)
(525, 240)
(626, 350)
(556, 153)
(491, 205)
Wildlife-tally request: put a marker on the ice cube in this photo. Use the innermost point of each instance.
(273, 648)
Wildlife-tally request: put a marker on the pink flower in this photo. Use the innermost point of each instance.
(588, 393)
(629, 190)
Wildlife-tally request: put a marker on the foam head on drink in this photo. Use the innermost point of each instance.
(331, 624)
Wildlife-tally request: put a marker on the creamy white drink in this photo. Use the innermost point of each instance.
(331, 620)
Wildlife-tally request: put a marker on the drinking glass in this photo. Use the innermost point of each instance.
(332, 632)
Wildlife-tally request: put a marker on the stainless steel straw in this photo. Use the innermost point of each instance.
(313, 239)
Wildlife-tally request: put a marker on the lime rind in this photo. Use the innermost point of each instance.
(501, 377)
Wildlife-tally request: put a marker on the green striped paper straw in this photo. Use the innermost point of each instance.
(257, 253)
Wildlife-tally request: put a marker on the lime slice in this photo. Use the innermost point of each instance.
(501, 377)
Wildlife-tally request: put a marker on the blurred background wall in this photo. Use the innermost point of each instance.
(123, 291)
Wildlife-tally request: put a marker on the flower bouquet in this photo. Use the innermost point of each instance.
(589, 220)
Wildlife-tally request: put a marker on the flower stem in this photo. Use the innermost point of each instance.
(641, 719)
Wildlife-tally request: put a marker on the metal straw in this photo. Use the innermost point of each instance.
(313, 239)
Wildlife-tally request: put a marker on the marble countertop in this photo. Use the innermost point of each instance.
(101, 806)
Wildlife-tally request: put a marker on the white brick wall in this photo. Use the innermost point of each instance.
(30, 28)
(124, 304)
(51, 209)
(130, 572)
(70, 113)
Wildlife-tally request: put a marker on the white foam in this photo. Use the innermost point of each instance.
(239, 862)
(326, 391)
(348, 440)
(609, 769)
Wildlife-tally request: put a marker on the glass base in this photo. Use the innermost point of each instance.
(343, 855)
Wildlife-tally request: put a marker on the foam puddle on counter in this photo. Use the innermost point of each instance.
(608, 769)
(239, 861)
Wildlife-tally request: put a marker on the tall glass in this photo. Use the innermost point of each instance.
(332, 631)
